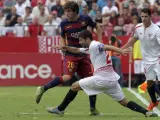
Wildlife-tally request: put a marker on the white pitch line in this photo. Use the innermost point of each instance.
(143, 100)
(35, 113)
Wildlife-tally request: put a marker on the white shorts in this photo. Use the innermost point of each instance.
(152, 70)
(98, 84)
(138, 67)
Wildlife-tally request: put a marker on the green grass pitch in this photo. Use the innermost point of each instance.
(18, 103)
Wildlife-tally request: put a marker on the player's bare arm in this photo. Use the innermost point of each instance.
(130, 42)
(115, 49)
(70, 49)
(62, 41)
(99, 33)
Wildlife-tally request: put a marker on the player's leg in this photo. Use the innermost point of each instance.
(72, 66)
(66, 101)
(136, 107)
(157, 69)
(69, 67)
(85, 69)
(114, 90)
(151, 78)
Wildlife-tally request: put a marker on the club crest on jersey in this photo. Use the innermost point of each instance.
(83, 23)
(149, 34)
(70, 70)
(68, 26)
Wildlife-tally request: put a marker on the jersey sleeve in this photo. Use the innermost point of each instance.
(84, 50)
(100, 47)
(135, 33)
(62, 30)
(91, 22)
(158, 36)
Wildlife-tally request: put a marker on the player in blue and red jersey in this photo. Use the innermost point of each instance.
(79, 63)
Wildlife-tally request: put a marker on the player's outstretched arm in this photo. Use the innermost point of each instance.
(116, 49)
(130, 42)
(99, 33)
(62, 41)
(70, 49)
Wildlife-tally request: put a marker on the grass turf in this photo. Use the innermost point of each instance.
(18, 103)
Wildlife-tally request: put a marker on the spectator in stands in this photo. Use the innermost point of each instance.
(89, 3)
(85, 10)
(21, 28)
(28, 16)
(56, 20)
(58, 7)
(93, 11)
(132, 5)
(126, 15)
(129, 28)
(120, 4)
(42, 16)
(102, 3)
(117, 22)
(144, 4)
(109, 8)
(1, 3)
(34, 2)
(157, 5)
(106, 26)
(35, 28)
(49, 29)
(36, 9)
(116, 58)
(10, 21)
(50, 4)
(8, 4)
(156, 16)
(2, 22)
(81, 4)
(27, 3)
(98, 17)
(20, 7)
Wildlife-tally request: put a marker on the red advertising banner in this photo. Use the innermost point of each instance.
(19, 45)
(45, 44)
(33, 61)
(28, 69)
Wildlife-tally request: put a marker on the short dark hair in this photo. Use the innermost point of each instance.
(86, 34)
(146, 10)
(71, 5)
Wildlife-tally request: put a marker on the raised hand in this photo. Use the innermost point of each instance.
(58, 47)
(126, 51)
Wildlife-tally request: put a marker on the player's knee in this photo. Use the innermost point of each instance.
(150, 83)
(75, 86)
(123, 102)
(66, 77)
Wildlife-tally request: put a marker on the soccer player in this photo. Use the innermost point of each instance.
(149, 35)
(105, 79)
(79, 63)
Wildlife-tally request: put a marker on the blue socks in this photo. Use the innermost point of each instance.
(92, 100)
(55, 82)
(151, 91)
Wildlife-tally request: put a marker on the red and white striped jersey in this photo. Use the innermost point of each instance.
(98, 56)
(101, 61)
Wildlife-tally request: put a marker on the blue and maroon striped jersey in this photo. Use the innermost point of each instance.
(70, 30)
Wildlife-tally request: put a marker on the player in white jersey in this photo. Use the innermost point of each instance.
(149, 35)
(105, 79)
